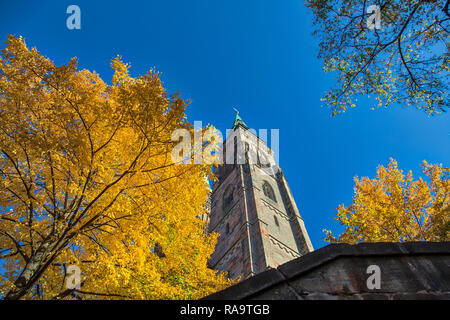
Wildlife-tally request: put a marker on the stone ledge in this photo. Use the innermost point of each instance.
(275, 283)
(333, 251)
(242, 290)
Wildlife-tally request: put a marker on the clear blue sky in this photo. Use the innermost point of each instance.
(256, 55)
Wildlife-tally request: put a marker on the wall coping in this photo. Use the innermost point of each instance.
(324, 255)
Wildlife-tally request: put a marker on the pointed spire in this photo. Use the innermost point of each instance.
(238, 121)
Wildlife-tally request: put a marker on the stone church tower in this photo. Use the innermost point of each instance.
(253, 209)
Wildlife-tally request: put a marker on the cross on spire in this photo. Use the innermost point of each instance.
(238, 121)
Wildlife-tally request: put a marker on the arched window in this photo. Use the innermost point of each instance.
(227, 197)
(235, 150)
(247, 149)
(268, 191)
(263, 160)
(228, 228)
(224, 153)
(276, 221)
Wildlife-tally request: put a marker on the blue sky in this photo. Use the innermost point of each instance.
(256, 55)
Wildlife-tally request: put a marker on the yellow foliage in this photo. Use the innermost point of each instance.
(87, 180)
(394, 207)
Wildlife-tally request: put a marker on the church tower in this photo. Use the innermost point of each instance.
(252, 209)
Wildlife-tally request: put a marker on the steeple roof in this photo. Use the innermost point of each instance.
(238, 121)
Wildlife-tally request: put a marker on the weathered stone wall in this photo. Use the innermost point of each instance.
(229, 222)
(411, 270)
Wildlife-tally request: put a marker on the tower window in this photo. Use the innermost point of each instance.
(247, 148)
(262, 160)
(268, 191)
(235, 150)
(276, 221)
(227, 197)
(224, 154)
(228, 228)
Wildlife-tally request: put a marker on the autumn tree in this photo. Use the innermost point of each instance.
(394, 207)
(87, 180)
(406, 61)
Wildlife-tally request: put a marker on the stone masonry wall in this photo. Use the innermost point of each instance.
(409, 270)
